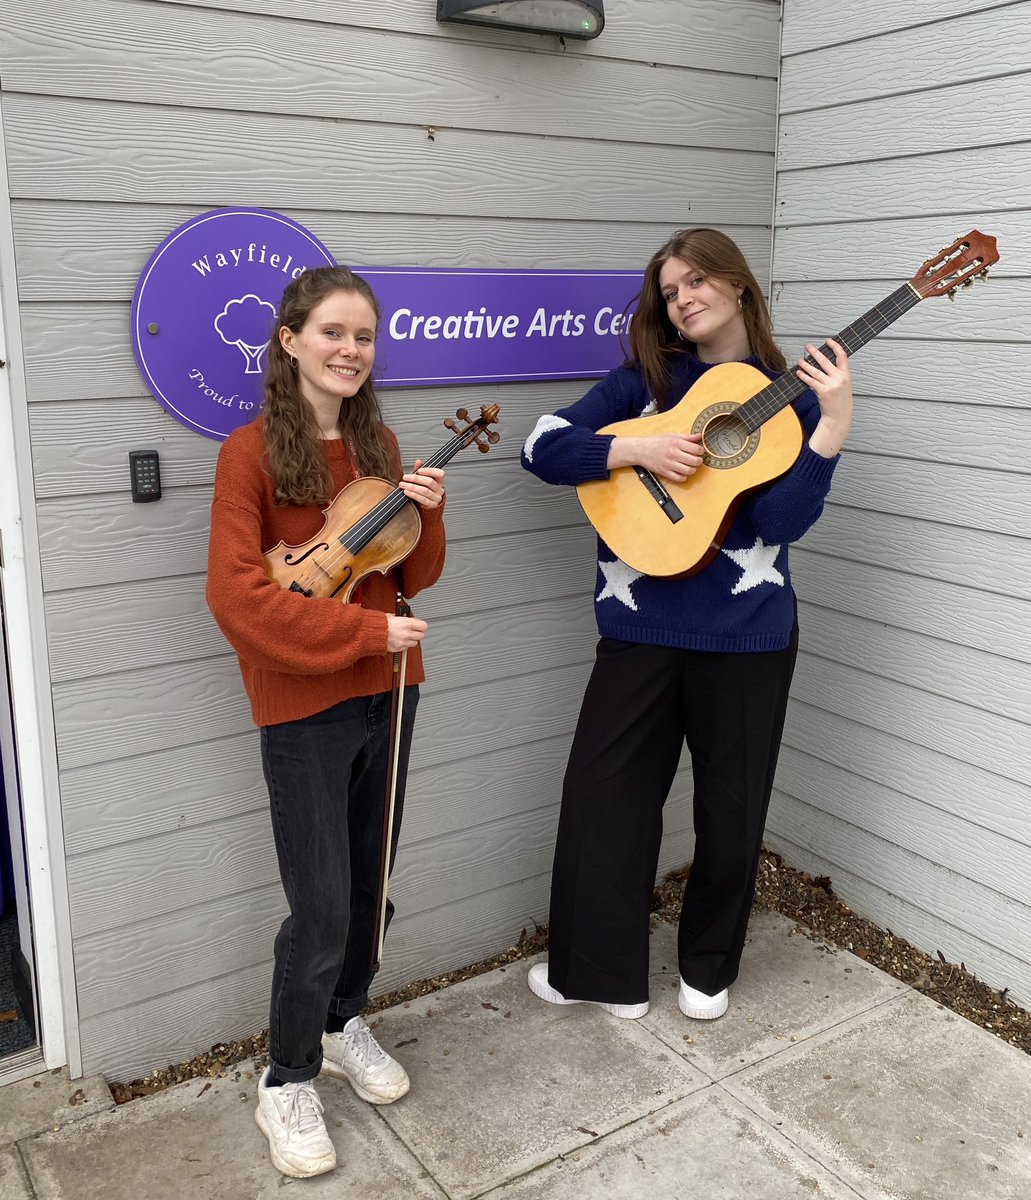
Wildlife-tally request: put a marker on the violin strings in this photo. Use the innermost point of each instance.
(366, 527)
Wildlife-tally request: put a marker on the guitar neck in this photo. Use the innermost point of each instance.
(362, 532)
(788, 387)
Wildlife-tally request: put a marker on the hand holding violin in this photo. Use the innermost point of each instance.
(371, 526)
(424, 485)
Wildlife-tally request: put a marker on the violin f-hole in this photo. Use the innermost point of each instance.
(294, 562)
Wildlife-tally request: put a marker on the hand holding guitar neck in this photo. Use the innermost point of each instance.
(830, 377)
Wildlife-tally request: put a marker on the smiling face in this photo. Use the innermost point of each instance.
(335, 349)
(704, 309)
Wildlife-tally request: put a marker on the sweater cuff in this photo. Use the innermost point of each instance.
(594, 461)
(431, 515)
(816, 470)
(373, 633)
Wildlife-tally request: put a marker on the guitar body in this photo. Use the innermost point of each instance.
(653, 539)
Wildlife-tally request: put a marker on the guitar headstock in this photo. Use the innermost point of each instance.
(958, 265)
(473, 431)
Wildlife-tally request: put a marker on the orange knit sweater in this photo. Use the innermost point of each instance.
(300, 655)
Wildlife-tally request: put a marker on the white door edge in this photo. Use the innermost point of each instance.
(35, 738)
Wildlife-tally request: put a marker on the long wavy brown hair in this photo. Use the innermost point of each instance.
(296, 455)
(654, 339)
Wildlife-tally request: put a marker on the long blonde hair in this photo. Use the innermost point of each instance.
(296, 454)
(654, 340)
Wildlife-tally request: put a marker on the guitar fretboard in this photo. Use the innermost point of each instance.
(788, 387)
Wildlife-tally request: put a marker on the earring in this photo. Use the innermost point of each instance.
(740, 306)
(681, 336)
(293, 361)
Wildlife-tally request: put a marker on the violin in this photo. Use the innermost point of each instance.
(370, 525)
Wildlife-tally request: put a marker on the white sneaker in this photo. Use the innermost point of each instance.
(356, 1056)
(538, 981)
(694, 1003)
(291, 1118)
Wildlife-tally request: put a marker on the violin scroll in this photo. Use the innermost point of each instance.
(473, 431)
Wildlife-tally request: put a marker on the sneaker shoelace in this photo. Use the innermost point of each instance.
(360, 1039)
(303, 1108)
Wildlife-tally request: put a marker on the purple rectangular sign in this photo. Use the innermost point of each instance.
(444, 326)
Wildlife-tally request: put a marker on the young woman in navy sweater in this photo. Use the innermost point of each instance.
(707, 658)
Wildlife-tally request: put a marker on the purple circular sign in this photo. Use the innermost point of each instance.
(204, 310)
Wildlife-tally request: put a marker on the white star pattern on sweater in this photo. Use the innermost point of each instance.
(757, 564)
(651, 407)
(545, 425)
(618, 578)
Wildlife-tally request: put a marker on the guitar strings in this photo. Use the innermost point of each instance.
(853, 337)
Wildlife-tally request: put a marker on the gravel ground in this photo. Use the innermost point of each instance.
(808, 901)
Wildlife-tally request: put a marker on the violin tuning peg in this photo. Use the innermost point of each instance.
(493, 437)
(462, 414)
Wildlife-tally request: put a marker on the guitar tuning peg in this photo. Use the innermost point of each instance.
(951, 293)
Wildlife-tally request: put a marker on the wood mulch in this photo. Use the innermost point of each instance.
(809, 901)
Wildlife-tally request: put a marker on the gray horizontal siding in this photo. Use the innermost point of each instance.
(91, 151)
(978, 180)
(883, 248)
(906, 775)
(901, 29)
(166, 55)
(739, 36)
(922, 47)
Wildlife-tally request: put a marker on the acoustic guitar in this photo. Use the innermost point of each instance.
(750, 436)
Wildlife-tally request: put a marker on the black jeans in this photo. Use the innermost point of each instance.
(326, 777)
(641, 703)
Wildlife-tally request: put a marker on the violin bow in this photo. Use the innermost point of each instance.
(397, 691)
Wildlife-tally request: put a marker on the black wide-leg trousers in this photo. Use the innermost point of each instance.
(641, 703)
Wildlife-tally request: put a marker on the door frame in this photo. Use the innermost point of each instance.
(32, 733)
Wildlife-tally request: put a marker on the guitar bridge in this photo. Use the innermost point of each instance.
(659, 494)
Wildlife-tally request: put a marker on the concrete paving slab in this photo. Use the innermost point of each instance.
(43, 1101)
(906, 1102)
(789, 989)
(199, 1140)
(503, 1082)
(705, 1146)
(14, 1183)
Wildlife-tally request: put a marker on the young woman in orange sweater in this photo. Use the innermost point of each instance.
(318, 674)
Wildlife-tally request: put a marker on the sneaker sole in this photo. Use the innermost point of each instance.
(544, 991)
(322, 1165)
(329, 1068)
(708, 1013)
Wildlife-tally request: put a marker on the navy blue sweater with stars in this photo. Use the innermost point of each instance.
(743, 600)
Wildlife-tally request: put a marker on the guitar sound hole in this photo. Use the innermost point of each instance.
(724, 437)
